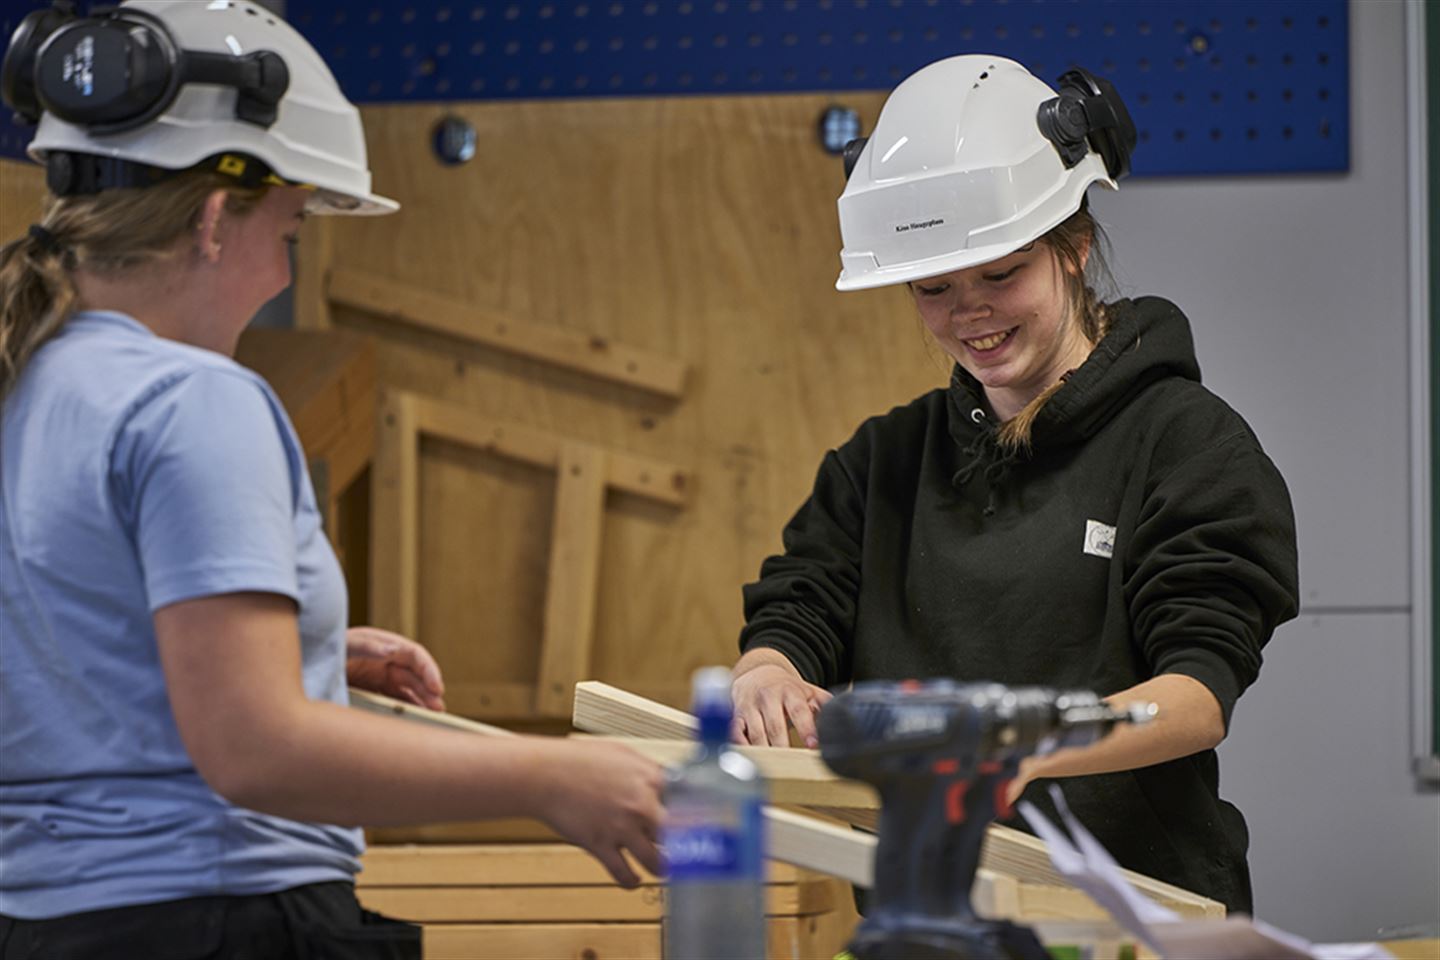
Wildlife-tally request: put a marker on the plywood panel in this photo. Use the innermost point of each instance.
(701, 229)
(22, 195)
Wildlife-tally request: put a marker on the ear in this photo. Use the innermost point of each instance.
(1085, 251)
(207, 229)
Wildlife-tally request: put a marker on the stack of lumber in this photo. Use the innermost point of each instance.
(494, 901)
(540, 899)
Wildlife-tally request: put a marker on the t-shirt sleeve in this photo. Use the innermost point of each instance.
(205, 476)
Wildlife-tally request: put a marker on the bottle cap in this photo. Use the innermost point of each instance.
(710, 702)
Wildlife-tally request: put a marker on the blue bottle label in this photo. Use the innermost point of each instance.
(703, 850)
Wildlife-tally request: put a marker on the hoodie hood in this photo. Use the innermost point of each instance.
(1149, 340)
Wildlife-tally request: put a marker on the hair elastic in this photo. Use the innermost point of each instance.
(48, 242)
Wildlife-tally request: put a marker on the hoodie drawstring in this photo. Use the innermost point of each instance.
(985, 447)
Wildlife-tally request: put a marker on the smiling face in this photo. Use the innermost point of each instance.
(1008, 323)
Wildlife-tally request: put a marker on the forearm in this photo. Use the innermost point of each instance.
(1187, 722)
(320, 761)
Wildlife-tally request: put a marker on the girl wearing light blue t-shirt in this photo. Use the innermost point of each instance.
(179, 774)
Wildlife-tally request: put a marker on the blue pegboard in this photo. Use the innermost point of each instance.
(1215, 86)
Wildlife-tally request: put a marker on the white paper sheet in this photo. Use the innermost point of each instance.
(1082, 860)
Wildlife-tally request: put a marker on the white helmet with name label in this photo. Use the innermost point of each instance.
(972, 159)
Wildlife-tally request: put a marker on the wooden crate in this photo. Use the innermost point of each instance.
(512, 901)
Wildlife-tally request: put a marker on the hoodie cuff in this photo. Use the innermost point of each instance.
(1214, 673)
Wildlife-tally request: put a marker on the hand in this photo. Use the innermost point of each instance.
(1022, 780)
(606, 799)
(769, 695)
(384, 662)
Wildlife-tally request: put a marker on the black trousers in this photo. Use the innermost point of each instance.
(321, 921)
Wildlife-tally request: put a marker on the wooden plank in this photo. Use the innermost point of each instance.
(574, 575)
(562, 903)
(514, 864)
(815, 845)
(394, 516)
(552, 941)
(516, 830)
(794, 776)
(601, 708)
(584, 353)
(378, 703)
(641, 476)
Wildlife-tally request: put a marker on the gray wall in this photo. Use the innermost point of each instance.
(1297, 290)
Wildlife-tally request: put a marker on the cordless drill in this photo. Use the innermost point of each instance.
(942, 755)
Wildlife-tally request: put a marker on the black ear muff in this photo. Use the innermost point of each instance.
(108, 73)
(17, 73)
(1088, 113)
(852, 152)
(120, 69)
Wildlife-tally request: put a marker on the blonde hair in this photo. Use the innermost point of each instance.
(1077, 236)
(112, 232)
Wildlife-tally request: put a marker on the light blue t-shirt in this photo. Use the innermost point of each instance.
(136, 472)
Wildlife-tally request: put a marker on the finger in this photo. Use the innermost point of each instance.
(647, 853)
(820, 696)
(737, 730)
(417, 661)
(802, 717)
(772, 714)
(614, 861)
(754, 729)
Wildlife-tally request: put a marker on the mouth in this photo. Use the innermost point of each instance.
(990, 342)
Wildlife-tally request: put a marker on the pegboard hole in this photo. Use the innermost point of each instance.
(685, 42)
(789, 39)
(1323, 94)
(1001, 33)
(931, 34)
(1143, 27)
(755, 76)
(720, 40)
(1215, 134)
(1179, 136)
(1144, 65)
(1287, 133)
(1072, 29)
(859, 38)
(1252, 134)
(442, 15)
(582, 45)
(685, 79)
(1108, 29)
(1179, 26)
(754, 40)
(897, 35)
(1325, 129)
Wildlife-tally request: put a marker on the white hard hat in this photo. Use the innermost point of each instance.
(972, 159)
(164, 85)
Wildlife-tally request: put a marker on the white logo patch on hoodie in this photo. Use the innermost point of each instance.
(1099, 539)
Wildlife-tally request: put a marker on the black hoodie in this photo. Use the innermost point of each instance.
(1146, 533)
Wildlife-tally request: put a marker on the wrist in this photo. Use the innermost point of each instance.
(757, 657)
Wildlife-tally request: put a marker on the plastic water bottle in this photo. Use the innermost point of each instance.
(714, 840)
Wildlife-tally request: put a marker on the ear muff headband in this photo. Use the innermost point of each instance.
(1088, 113)
(119, 70)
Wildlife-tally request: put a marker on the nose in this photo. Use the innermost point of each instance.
(967, 301)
